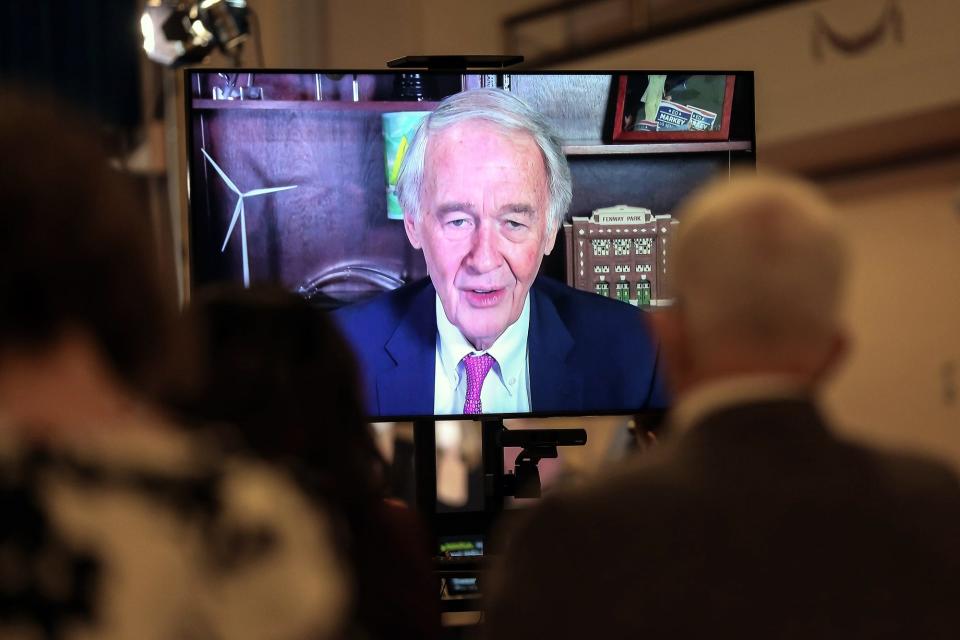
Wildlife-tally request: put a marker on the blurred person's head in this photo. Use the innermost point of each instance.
(758, 268)
(78, 268)
(281, 382)
(277, 372)
(484, 189)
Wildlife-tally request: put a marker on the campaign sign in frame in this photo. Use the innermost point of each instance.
(673, 107)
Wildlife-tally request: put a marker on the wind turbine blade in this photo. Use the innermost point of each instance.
(229, 182)
(233, 223)
(258, 192)
(243, 245)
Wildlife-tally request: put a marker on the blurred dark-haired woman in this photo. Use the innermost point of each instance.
(283, 383)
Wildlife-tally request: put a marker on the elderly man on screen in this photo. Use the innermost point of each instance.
(484, 189)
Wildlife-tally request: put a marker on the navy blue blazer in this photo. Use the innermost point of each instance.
(586, 353)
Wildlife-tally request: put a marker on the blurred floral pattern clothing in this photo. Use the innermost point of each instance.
(142, 532)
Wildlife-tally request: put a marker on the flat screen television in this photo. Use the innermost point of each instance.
(488, 242)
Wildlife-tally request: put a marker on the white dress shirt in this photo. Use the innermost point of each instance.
(506, 389)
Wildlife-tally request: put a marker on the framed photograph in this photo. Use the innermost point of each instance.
(673, 107)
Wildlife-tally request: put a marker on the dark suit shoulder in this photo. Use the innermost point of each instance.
(581, 551)
(574, 304)
(393, 303)
(652, 474)
(393, 336)
(605, 342)
(909, 474)
(375, 319)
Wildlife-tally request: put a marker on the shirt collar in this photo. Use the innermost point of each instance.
(711, 397)
(509, 350)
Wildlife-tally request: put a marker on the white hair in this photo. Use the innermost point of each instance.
(759, 261)
(503, 110)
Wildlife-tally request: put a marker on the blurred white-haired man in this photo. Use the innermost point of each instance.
(755, 520)
(759, 269)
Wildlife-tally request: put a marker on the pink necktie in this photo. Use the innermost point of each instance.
(477, 369)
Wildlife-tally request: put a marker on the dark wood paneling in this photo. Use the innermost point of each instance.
(335, 221)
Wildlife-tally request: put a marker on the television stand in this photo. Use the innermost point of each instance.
(498, 484)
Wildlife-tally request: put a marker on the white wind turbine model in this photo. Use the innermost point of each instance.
(238, 213)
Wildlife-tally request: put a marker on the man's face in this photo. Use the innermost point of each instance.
(483, 225)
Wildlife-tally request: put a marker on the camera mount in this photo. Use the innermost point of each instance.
(498, 485)
(536, 444)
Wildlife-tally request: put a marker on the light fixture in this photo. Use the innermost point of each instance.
(177, 33)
